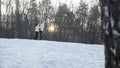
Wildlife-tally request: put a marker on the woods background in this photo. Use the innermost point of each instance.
(72, 24)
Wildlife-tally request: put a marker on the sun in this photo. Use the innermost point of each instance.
(51, 28)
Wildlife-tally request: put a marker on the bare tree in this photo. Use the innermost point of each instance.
(0, 13)
(17, 22)
(81, 20)
(110, 16)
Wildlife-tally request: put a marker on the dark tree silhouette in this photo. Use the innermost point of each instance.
(93, 25)
(65, 21)
(17, 21)
(0, 13)
(81, 20)
(110, 10)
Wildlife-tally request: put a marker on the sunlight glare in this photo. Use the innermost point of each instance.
(51, 28)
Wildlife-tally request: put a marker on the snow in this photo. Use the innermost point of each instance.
(23, 53)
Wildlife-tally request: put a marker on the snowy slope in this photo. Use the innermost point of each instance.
(19, 53)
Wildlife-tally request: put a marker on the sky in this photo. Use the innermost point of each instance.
(55, 3)
(74, 2)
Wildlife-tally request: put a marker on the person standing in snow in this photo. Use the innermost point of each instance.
(36, 29)
(39, 27)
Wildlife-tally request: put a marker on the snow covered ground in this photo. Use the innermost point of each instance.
(19, 53)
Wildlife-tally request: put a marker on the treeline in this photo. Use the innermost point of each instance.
(80, 25)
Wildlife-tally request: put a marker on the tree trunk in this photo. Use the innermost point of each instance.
(110, 16)
(0, 13)
(17, 21)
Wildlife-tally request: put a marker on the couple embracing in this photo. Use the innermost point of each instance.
(39, 27)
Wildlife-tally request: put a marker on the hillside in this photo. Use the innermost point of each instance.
(23, 53)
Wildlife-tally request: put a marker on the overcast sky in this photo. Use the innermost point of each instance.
(74, 2)
(55, 3)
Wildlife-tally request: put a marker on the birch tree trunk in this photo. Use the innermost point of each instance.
(110, 16)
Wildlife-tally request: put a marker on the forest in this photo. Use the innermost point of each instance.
(63, 22)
